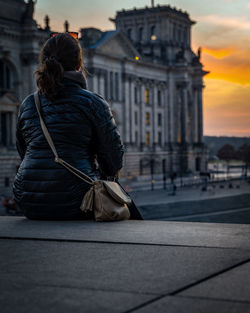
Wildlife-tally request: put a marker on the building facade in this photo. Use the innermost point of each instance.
(153, 81)
(146, 70)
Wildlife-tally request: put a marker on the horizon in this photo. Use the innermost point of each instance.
(222, 30)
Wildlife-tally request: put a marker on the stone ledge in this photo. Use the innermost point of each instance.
(138, 232)
(132, 266)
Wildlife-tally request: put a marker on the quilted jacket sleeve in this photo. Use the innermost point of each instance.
(109, 147)
(20, 142)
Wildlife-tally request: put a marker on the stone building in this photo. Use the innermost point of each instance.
(20, 42)
(153, 81)
(145, 68)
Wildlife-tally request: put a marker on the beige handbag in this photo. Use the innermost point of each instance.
(106, 198)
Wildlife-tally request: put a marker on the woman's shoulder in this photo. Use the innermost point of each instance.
(96, 101)
(27, 103)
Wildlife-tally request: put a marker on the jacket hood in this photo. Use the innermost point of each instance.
(77, 76)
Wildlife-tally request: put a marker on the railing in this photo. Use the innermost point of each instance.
(144, 183)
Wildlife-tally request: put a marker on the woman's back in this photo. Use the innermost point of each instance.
(82, 128)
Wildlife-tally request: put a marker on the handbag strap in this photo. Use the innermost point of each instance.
(46, 133)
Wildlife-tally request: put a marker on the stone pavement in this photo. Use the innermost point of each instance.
(161, 196)
(132, 266)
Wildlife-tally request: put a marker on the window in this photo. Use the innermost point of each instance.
(159, 138)
(147, 138)
(116, 86)
(111, 85)
(136, 95)
(6, 129)
(140, 34)
(147, 118)
(159, 119)
(5, 76)
(136, 118)
(159, 97)
(146, 96)
(136, 137)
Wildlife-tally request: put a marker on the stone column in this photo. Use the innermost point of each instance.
(172, 103)
(200, 119)
(102, 87)
(166, 117)
(183, 94)
(142, 117)
(155, 113)
(191, 122)
(29, 64)
(95, 82)
(195, 115)
(132, 112)
(126, 111)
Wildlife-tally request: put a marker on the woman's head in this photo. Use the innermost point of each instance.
(60, 53)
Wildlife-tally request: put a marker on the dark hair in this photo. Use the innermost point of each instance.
(60, 53)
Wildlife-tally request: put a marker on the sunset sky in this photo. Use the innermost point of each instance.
(223, 32)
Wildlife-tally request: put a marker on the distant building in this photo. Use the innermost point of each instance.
(145, 69)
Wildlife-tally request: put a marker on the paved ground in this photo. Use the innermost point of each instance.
(217, 205)
(190, 193)
(133, 266)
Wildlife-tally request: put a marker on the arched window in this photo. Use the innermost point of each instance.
(5, 76)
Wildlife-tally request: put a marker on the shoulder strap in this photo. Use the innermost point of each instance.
(69, 167)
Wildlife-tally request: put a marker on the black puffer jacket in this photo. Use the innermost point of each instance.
(83, 129)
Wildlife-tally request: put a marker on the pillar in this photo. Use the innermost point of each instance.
(154, 115)
(132, 112)
(142, 116)
(200, 119)
(126, 112)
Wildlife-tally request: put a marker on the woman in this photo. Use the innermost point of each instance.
(82, 128)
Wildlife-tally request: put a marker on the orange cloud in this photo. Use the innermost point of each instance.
(226, 108)
(219, 52)
(229, 63)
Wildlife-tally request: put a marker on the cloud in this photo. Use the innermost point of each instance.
(230, 64)
(219, 52)
(230, 22)
(226, 108)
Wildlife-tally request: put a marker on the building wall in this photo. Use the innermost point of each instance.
(180, 106)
